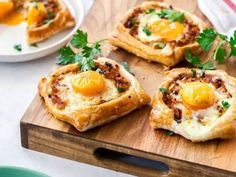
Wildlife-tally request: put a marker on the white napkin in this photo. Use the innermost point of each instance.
(221, 13)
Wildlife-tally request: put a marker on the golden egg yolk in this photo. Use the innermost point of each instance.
(36, 13)
(5, 8)
(167, 29)
(197, 95)
(89, 83)
(7, 14)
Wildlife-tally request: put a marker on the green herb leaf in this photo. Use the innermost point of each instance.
(126, 66)
(18, 47)
(66, 56)
(232, 43)
(194, 72)
(169, 133)
(120, 90)
(206, 38)
(220, 53)
(147, 31)
(79, 40)
(172, 15)
(194, 60)
(134, 22)
(163, 90)
(225, 104)
(150, 11)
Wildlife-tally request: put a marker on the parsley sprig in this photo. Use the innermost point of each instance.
(196, 61)
(207, 38)
(85, 57)
(220, 55)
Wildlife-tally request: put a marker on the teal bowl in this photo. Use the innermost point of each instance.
(7, 171)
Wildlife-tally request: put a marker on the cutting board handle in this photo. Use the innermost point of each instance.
(131, 161)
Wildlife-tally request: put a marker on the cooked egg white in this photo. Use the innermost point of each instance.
(160, 29)
(75, 99)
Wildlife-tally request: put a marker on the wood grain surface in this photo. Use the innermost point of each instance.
(131, 134)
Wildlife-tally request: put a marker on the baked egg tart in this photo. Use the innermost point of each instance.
(199, 105)
(91, 98)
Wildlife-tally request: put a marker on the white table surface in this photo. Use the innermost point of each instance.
(18, 86)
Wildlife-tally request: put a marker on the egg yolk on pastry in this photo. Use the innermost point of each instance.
(166, 29)
(197, 95)
(7, 14)
(36, 13)
(89, 83)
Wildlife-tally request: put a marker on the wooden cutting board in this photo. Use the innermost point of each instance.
(127, 143)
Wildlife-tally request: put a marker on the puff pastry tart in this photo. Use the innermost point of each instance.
(157, 32)
(198, 105)
(46, 18)
(91, 98)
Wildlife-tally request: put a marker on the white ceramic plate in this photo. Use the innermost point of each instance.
(13, 35)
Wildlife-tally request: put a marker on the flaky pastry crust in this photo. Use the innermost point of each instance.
(62, 21)
(169, 55)
(162, 117)
(88, 117)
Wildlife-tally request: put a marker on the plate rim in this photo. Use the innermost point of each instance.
(50, 47)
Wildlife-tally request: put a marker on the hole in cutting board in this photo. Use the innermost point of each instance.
(131, 160)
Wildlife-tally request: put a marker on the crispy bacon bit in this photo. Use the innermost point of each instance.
(189, 36)
(177, 115)
(112, 72)
(132, 22)
(217, 83)
(56, 100)
(220, 109)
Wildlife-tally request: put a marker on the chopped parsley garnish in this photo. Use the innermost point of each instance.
(134, 22)
(172, 15)
(150, 11)
(120, 90)
(163, 90)
(225, 104)
(194, 72)
(147, 31)
(18, 47)
(169, 133)
(85, 57)
(160, 45)
(126, 66)
(196, 61)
